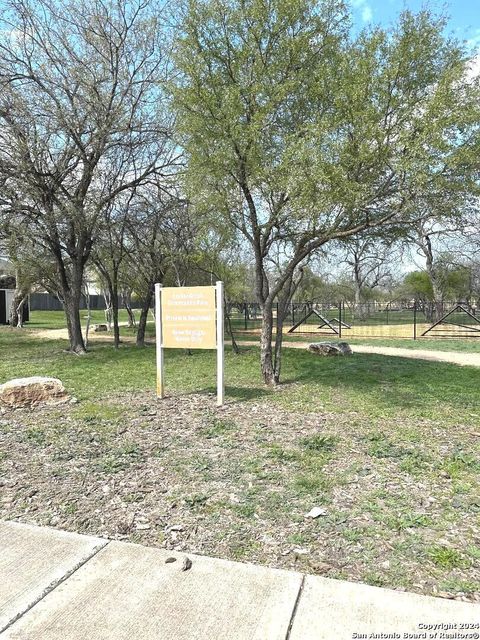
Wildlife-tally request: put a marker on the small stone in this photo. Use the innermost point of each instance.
(142, 526)
(170, 560)
(187, 564)
(316, 512)
(365, 472)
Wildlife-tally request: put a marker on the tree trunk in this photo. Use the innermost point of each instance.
(114, 303)
(20, 294)
(89, 316)
(71, 301)
(19, 297)
(142, 323)
(235, 348)
(278, 344)
(432, 274)
(284, 302)
(116, 326)
(361, 310)
(127, 303)
(437, 300)
(107, 296)
(428, 311)
(266, 359)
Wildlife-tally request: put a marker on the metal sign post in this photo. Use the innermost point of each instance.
(190, 318)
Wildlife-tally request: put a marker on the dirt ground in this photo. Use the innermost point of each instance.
(237, 482)
(460, 358)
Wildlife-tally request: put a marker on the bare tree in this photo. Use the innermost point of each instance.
(431, 238)
(30, 266)
(158, 216)
(371, 261)
(109, 252)
(82, 119)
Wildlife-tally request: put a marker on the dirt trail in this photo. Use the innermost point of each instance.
(454, 357)
(62, 334)
(460, 358)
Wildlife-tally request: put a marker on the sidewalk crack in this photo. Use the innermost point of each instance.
(295, 607)
(54, 584)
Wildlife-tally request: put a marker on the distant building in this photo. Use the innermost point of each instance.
(7, 289)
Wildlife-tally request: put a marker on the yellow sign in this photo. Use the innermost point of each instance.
(188, 318)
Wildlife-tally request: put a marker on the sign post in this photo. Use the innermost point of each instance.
(220, 349)
(190, 318)
(158, 339)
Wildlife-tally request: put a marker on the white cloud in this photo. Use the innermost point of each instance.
(474, 68)
(364, 6)
(474, 41)
(367, 13)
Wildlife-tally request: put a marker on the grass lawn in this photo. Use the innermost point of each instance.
(390, 448)
(56, 319)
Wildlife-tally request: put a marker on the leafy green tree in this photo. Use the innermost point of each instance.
(298, 136)
(417, 285)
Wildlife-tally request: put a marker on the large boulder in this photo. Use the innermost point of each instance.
(26, 392)
(330, 348)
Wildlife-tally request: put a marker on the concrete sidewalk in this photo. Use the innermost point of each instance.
(64, 586)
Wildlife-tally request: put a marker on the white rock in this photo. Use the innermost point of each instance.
(301, 552)
(316, 512)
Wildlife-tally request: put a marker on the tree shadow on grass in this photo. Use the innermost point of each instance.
(247, 393)
(388, 381)
(237, 394)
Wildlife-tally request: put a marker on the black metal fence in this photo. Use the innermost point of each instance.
(395, 319)
(47, 302)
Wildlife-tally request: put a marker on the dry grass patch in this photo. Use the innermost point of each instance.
(400, 496)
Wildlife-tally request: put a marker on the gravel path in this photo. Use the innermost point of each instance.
(455, 357)
(463, 359)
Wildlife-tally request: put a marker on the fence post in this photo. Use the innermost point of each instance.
(293, 313)
(339, 319)
(415, 320)
(245, 313)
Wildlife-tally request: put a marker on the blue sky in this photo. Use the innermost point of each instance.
(464, 14)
